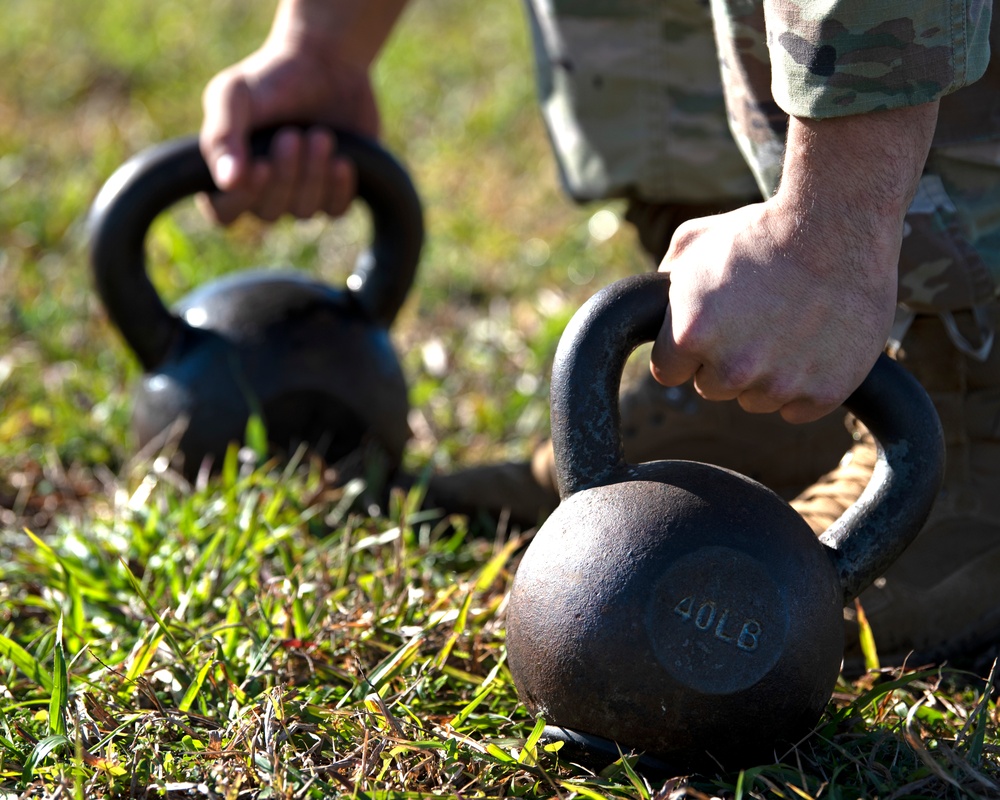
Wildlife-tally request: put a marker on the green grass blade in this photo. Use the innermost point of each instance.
(529, 752)
(979, 721)
(142, 656)
(6, 734)
(740, 785)
(233, 636)
(25, 662)
(866, 638)
(192, 691)
(71, 585)
(488, 574)
(39, 753)
(487, 688)
(637, 781)
(59, 701)
(174, 644)
(397, 661)
(583, 791)
(500, 754)
(873, 695)
(256, 436)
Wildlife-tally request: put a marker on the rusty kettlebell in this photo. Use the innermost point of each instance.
(682, 610)
(314, 362)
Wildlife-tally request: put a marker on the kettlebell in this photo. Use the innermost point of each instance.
(313, 361)
(682, 610)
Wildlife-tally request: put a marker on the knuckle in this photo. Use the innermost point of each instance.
(684, 236)
(738, 373)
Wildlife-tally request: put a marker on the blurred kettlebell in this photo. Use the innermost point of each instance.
(680, 609)
(315, 362)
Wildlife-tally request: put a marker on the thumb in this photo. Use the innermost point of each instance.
(225, 129)
(668, 364)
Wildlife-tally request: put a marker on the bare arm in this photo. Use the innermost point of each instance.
(786, 304)
(313, 66)
(354, 30)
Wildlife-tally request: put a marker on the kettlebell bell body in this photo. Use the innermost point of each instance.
(315, 362)
(680, 609)
(656, 626)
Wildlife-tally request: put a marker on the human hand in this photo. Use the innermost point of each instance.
(785, 305)
(282, 82)
(778, 320)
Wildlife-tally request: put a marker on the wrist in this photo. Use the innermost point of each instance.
(848, 182)
(346, 32)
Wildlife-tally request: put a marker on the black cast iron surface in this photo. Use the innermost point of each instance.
(681, 609)
(314, 361)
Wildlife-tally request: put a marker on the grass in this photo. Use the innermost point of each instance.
(263, 635)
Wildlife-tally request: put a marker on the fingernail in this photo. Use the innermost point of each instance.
(225, 170)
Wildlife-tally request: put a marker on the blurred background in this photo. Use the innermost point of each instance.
(508, 257)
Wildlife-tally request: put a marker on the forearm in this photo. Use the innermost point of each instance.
(847, 182)
(354, 30)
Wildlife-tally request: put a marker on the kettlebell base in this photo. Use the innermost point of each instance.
(596, 752)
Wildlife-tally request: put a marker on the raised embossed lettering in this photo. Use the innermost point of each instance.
(706, 616)
(720, 629)
(750, 636)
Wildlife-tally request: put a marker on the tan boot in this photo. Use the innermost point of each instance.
(941, 599)
(675, 422)
(522, 491)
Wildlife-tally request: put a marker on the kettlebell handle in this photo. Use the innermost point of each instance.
(586, 428)
(160, 176)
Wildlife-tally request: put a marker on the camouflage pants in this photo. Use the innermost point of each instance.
(633, 101)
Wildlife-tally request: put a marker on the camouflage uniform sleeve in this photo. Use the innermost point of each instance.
(841, 57)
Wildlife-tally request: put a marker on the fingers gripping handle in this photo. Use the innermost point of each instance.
(159, 177)
(382, 279)
(586, 427)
